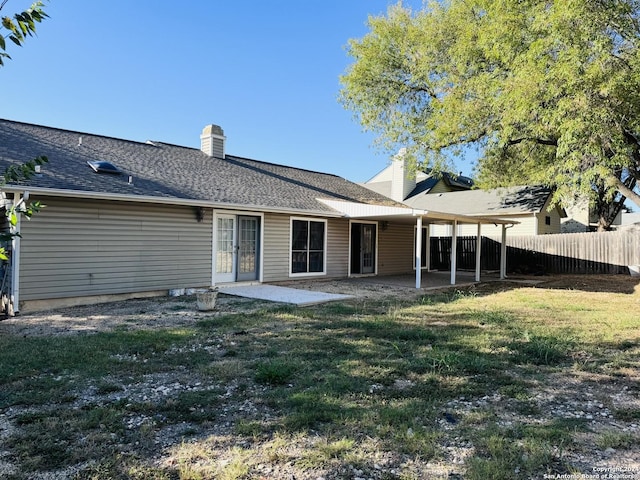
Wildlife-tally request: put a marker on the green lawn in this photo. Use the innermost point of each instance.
(482, 385)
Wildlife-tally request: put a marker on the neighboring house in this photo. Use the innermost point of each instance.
(630, 220)
(527, 205)
(425, 182)
(171, 217)
(581, 218)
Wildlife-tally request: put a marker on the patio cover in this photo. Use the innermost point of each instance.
(355, 210)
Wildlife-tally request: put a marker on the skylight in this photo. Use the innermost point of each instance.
(101, 166)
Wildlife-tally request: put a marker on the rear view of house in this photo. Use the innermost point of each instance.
(126, 218)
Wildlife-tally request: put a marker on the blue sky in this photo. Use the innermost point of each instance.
(265, 71)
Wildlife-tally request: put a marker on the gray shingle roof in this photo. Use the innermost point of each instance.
(500, 201)
(170, 171)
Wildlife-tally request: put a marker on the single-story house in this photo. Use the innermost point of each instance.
(126, 218)
(528, 206)
(582, 217)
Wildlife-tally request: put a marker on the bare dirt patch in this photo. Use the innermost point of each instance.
(609, 405)
(167, 311)
(162, 312)
(147, 313)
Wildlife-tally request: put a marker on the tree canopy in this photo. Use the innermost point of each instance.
(548, 91)
(17, 29)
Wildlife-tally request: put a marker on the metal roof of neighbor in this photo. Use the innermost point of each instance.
(167, 173)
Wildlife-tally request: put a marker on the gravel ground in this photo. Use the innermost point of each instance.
(568, 395)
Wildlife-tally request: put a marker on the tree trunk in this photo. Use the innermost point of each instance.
(626, 191)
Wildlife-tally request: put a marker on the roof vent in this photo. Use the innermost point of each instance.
(101, 166)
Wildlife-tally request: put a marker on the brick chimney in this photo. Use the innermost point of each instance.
(212, 141)
(403, 180)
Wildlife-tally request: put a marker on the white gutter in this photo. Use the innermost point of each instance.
(54, 192)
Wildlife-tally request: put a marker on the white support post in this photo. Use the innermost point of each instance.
(418, 251)
(15, 260)
(454, 251)
(478, 253)
(503, 254)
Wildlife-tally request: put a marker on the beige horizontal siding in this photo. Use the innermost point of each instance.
(556, 221)
(338, 247)
(277, 232)
(82, 248)
(440, 187)
(276, 248)
(395, 249)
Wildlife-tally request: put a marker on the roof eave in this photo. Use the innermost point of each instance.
(85, 195)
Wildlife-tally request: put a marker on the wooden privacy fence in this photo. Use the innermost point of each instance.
(609, 252)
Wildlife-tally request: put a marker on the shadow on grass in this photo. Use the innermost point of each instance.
(338, 371)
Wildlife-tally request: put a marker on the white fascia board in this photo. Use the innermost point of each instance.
(497, 220)
(361, 210)
(53, 192)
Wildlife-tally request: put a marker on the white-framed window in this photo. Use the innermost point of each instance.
(308, 247)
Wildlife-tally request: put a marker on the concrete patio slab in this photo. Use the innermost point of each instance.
(275, 293)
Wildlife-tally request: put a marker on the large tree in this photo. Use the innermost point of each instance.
(548, 91)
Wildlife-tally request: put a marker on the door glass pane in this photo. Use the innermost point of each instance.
(423, 250)
(368, 239)
(248, 231)
(224, 258)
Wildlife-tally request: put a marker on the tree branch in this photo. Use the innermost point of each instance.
(463, 141)
(624, 190)
(541, 141)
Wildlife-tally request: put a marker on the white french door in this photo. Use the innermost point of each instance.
(248, 243)
(237, 248)
(226, 249)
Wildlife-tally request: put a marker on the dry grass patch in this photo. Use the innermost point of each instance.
(501, 381)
